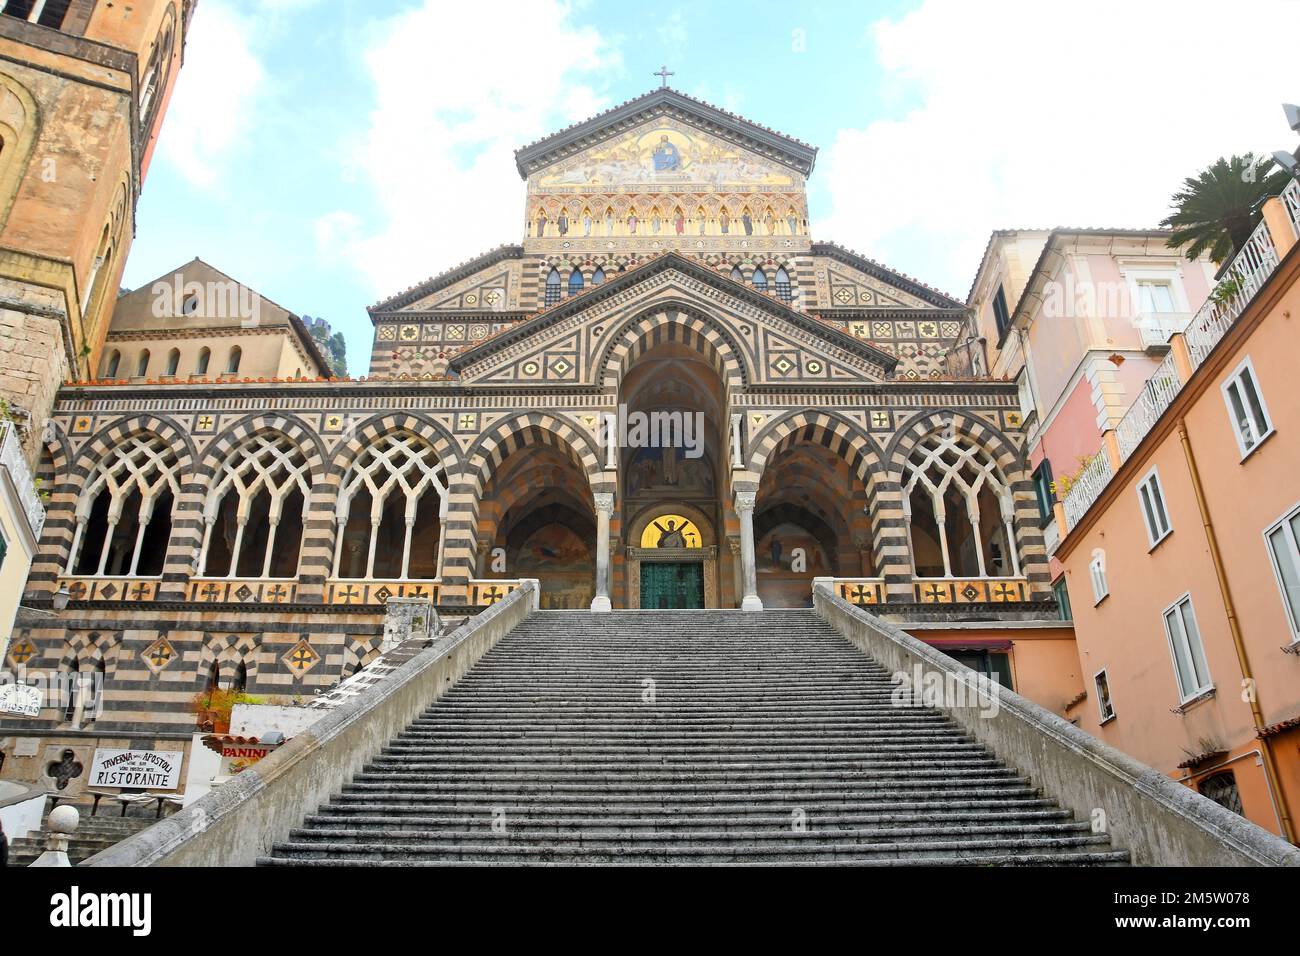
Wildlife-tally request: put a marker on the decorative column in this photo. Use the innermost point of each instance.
(604, 511)
(745, 511)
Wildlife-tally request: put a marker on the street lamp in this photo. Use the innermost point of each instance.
(1290, 162)
(59, 599)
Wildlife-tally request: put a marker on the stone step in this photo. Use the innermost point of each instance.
(970, 859)
(759, 721)
(525, 821)
(400, 802)
(609, 837)
(808, 848)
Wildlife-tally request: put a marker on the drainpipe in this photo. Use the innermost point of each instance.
(1234, 626)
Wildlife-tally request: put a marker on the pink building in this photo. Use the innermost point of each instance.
(1080, 318)
(1179, 546)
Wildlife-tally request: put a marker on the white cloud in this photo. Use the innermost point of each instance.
(458, 88)
(1035, 114)
(211, 111)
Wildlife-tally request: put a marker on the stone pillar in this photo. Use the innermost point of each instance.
(604, 511)
(61, 824)
(749, 571)
(408, 619)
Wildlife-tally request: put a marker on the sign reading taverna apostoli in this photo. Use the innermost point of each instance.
(152, 769)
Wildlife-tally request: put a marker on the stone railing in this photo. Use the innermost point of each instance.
(859, 591)
(1159, 822)
(1157, 394)
(234, 824)
(12, 460)
(970, 590)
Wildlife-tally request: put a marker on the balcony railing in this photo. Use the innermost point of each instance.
(1245, 275)
(12, 460)
(1291, 200)
(1156, 327)
(1090, 483)
(1157, 394)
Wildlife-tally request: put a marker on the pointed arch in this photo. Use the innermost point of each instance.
(624, 343)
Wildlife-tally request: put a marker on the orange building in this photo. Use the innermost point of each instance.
(1179, 544)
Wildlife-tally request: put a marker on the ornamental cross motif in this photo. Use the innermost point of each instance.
(663, 75)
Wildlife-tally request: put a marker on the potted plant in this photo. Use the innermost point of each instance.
(212, 708)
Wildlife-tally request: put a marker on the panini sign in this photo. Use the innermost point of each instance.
(152, 769)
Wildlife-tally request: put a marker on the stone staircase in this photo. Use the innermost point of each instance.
(764, 738)
(92, 835)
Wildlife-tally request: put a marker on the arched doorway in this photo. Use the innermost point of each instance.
(672, 558)
(810, 521)
(672, 410)
(536, 520)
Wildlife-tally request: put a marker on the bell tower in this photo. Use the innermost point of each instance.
(84, 85)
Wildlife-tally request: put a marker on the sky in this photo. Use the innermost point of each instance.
(332, 154)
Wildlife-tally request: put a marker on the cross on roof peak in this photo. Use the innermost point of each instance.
(663, 74)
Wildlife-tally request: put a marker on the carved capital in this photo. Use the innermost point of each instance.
(604, 501)
(745, 501)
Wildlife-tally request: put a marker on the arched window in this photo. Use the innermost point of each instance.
(214, 677)
(598, 277)
(236, 353)
(124, 515)
(760, 280)
(74, 691)
(205, 356)
(737, 275)
(575, 282)
(110, 366)
(240, 683)
(390, 510)
(553, 287)
(157, 70)
(783, 291)
(173, 361)
(254, 515)
(142, 366)
(1222, 789)
(959, 510)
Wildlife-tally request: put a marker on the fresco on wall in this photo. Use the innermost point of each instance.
(669, 153)
(671, 531)
(775, 549)
(668, 470)
(552, 547)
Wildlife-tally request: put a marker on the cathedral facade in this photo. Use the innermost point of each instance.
(667, 394)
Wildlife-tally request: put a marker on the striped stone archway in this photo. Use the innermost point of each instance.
(61, 521)
(866, 461)
(1010, 460)
(481, 461)
(316, 563)
(672, 324)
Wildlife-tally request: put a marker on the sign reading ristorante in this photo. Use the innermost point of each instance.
(153, 769)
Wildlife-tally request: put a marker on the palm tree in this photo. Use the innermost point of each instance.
(1218, 209)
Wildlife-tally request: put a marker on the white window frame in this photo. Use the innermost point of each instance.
(1152, 489)
(1097, 573)
(1104, 717)
(1195, 654)
(1284, 525)
(1263, 429)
